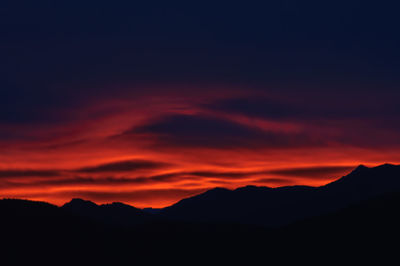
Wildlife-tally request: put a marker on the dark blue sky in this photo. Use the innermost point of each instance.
(79, 46)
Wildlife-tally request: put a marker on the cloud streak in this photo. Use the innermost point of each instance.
(318, 172)
(28, 173)
(123, 166)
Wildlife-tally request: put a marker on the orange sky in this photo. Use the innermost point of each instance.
(153, 151)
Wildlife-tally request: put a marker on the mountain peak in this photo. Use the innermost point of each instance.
(359, 168)
(386, 165)
(80, 203)
(362, 167)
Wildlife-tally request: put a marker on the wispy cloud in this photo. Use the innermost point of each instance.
(15, 173)
(123, 166)
(318, 172)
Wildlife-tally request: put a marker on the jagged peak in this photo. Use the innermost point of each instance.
(80, 202)
(361, 167)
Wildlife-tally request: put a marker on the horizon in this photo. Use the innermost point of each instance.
(151, 103)
(231, 189)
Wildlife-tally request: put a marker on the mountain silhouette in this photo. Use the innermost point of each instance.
(285, 205)
(354, 219)
(115, 213)
(36, 232)
(250, 205)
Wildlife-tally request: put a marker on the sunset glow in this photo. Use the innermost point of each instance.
(153, 151)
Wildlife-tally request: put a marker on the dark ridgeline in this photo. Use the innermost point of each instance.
(354, 218)
(284, 205)
(114, 214)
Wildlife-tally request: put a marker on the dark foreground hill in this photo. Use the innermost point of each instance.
(35, 233)
(353, 220)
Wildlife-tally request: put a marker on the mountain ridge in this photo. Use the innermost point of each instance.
(255, 205)
(284, 205)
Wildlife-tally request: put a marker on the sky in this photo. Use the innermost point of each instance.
(154, 101)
